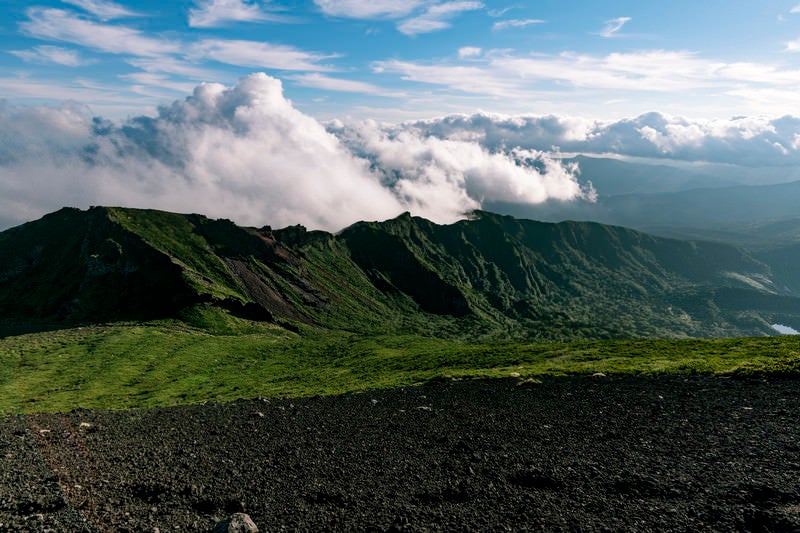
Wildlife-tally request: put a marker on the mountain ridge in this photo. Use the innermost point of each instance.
(488, 276)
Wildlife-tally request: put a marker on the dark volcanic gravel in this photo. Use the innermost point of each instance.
(590, 454)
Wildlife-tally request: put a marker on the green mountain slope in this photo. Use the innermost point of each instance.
(489, 277)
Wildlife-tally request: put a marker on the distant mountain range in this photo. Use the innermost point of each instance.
(489, 277)
(750, 207)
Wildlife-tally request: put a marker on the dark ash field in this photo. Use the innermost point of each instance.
(583, 453)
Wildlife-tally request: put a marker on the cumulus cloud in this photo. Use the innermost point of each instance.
(246, 153)
(469, 51)
(443, 178)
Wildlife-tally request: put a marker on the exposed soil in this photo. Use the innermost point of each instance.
(590, 454)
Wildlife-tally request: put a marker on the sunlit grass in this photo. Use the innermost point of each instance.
(126, 366)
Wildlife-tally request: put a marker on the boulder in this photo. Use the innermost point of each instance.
(236, 523)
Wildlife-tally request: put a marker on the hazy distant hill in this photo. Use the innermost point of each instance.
(612, 177)
(491, 276)
(731, 214)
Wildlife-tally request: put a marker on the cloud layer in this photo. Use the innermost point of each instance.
(754, 142)
(247, 154)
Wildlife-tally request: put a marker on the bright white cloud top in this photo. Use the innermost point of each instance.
(245, 152)
(85, 84)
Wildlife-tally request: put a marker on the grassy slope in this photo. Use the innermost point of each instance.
(168, 363)
(176, 236)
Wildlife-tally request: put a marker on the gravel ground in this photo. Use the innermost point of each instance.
(588, 454)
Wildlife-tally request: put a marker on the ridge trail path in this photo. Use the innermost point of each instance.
(666, 453)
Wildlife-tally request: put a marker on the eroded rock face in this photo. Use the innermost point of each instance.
(237, 523)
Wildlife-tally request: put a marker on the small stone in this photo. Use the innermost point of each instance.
(236, 523)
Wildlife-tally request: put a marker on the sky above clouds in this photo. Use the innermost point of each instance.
(324, 112)
(390, 60)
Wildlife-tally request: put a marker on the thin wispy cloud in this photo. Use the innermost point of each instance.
(158, 80)
(65, 26)
(613, 26)
(213, 13)
(175, 66)
(437, 17)
(496, 13)
(102, 98)
(103, 10)
(795, 9)
(369, 9)
(657, 73)
(52, 54)
(328, 83)
(472, 78)
(260, 55)
(515, 23)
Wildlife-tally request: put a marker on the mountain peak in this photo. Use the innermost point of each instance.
(488, 275)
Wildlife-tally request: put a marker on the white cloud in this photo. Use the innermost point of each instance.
(793, 46)
(756, 142)
(211, 13)
(51, 54)
(495, 13)
(441, 179)
(103, 10)
(242, 152)
(259, 55)
(436, 17)
(795, 9)
(515, 23)
(644, 80)
(111, 99)
(473, 78)
(156, 80)
(469, 51)
(247, 154)
(328, 83)
(613, 26)
(369, 9)
(173, 65)
(60, 25)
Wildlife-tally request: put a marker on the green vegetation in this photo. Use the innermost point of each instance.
(490, 278)
(169, 363)
(203, 310)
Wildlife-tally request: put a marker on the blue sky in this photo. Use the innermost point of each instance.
(393, 60)
(324, 112)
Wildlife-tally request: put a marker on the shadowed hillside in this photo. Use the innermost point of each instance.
(487, 277)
